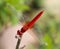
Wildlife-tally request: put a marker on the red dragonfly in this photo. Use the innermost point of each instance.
(29, 25)
(26, 27)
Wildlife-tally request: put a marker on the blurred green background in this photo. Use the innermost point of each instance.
(47, 28)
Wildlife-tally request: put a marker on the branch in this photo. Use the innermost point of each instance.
(19, 42)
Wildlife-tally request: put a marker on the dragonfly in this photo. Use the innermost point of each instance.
(26, 27)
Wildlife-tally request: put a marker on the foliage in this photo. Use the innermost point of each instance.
(9, 11)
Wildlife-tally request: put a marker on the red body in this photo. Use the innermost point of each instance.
(29, 25)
